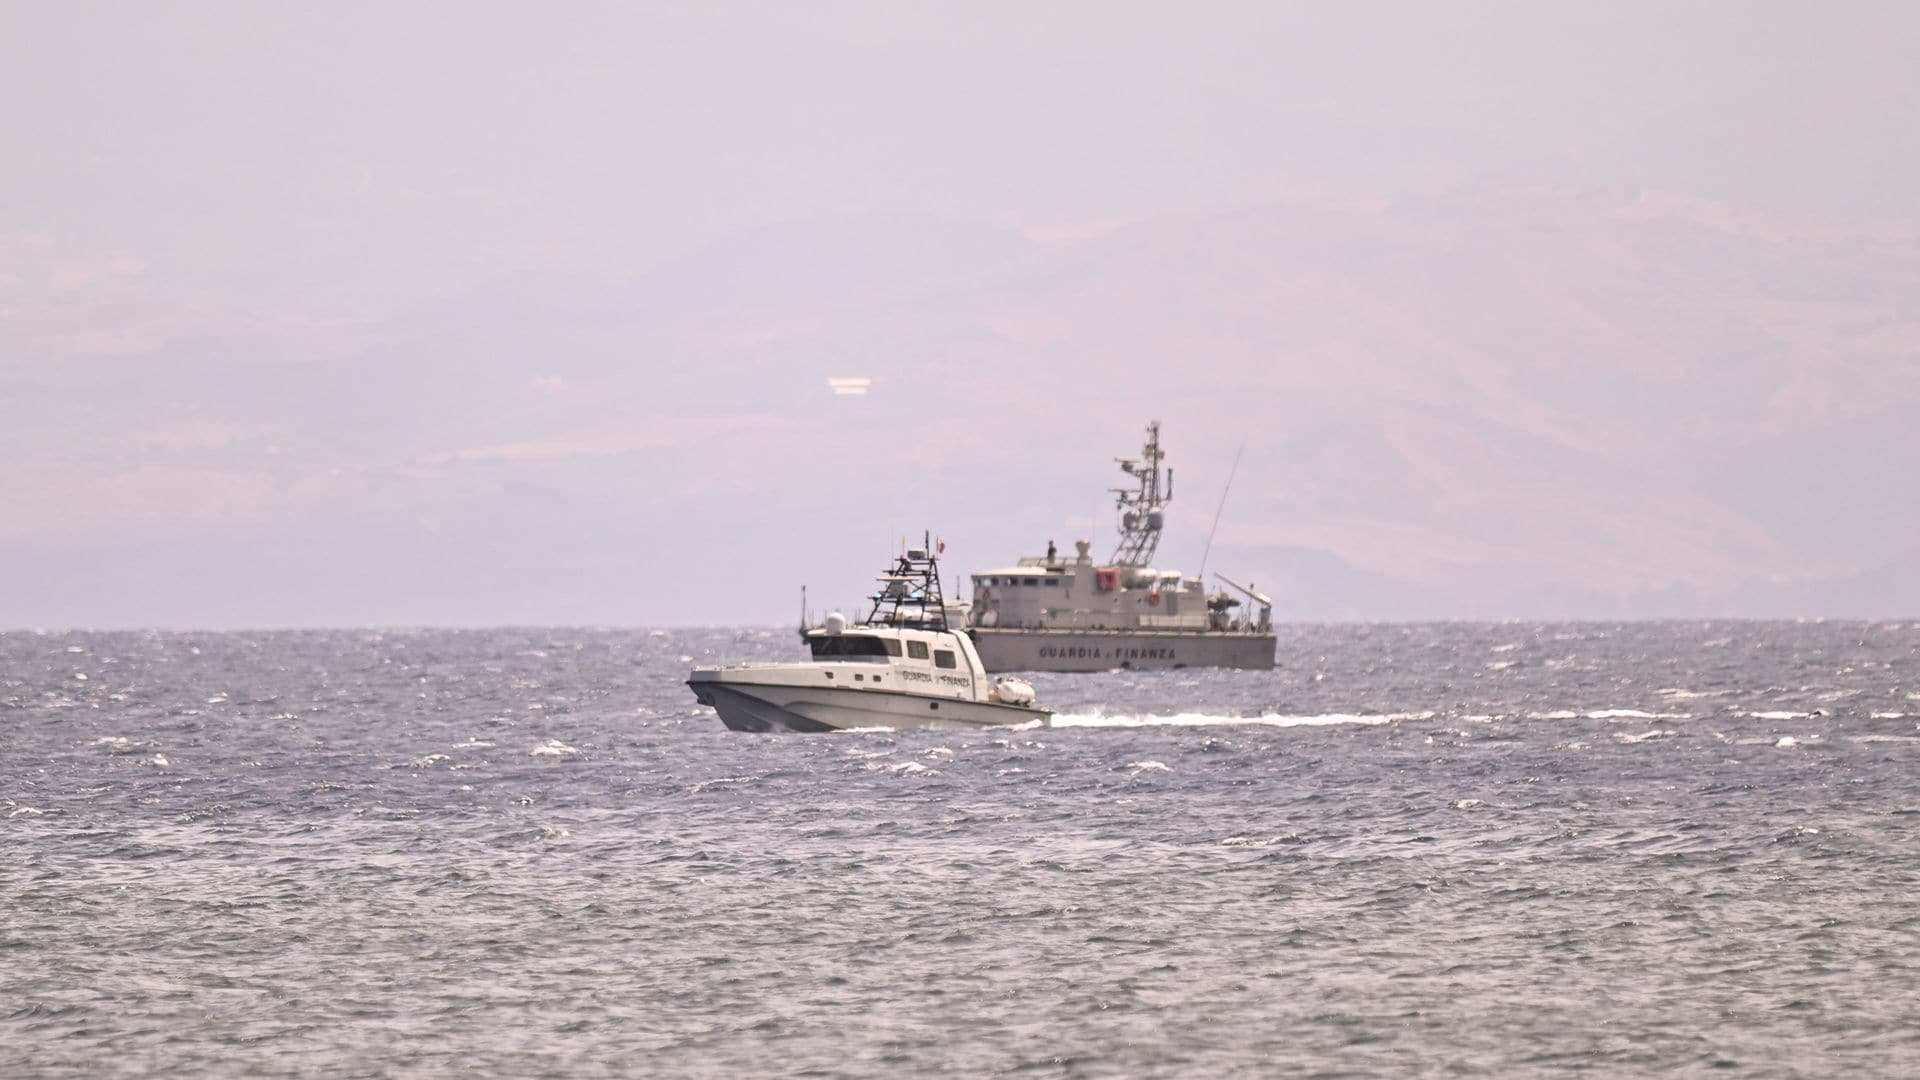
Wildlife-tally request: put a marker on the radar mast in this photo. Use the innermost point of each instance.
(909, 593)
(1142, 508)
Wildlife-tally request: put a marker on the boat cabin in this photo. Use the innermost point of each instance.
(923, 661)
(1041, 592)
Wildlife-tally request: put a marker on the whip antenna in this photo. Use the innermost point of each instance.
(1208, 550)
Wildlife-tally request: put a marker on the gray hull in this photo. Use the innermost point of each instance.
(1003, 650)
(757, 707)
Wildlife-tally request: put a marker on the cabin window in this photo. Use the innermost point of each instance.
(943, 658)
(857, 677)
(893, 647)
(1030, 581)
(917, 650)
(848, 647)
(1053, 581)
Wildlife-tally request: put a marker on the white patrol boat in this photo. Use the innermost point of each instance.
(1066, 613)
(902, 667)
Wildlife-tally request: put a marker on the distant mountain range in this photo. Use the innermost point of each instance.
(1502, 403)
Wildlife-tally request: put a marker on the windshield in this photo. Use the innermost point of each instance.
(853, 647)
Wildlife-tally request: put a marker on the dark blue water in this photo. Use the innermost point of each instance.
(1437, 849)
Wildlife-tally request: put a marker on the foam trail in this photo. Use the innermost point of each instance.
(1607, 714)
(1220, 720)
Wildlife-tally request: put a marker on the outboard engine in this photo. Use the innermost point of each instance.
(1008, 690)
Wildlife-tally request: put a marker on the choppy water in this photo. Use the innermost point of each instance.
(1432, 849)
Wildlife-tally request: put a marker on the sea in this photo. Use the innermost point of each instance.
(1447, 849)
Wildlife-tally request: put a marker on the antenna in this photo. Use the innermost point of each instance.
(1218, 510)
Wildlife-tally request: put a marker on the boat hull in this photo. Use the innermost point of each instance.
(1009, 649)
(751, 706)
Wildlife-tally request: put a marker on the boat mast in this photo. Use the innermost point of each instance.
(1142, 507)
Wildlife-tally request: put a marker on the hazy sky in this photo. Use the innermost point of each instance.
(352, 157)
(506, 312)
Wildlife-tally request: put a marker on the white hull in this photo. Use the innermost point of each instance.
(745, 704)
(1104, 650)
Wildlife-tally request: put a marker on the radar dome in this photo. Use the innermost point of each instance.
(1155, 517)
(836, 623)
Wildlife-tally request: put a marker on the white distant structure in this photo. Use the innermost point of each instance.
(850, 386)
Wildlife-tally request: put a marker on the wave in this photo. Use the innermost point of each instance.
(1607, 714)
(709, 785)
(1645, 736)
(1680, 693)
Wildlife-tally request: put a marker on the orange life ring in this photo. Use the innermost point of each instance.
(1153, 597)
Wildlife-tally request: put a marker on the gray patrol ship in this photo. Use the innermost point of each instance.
(1057, 613)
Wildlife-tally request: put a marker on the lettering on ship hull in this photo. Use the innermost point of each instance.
(1094, 652)
(1018, 651)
